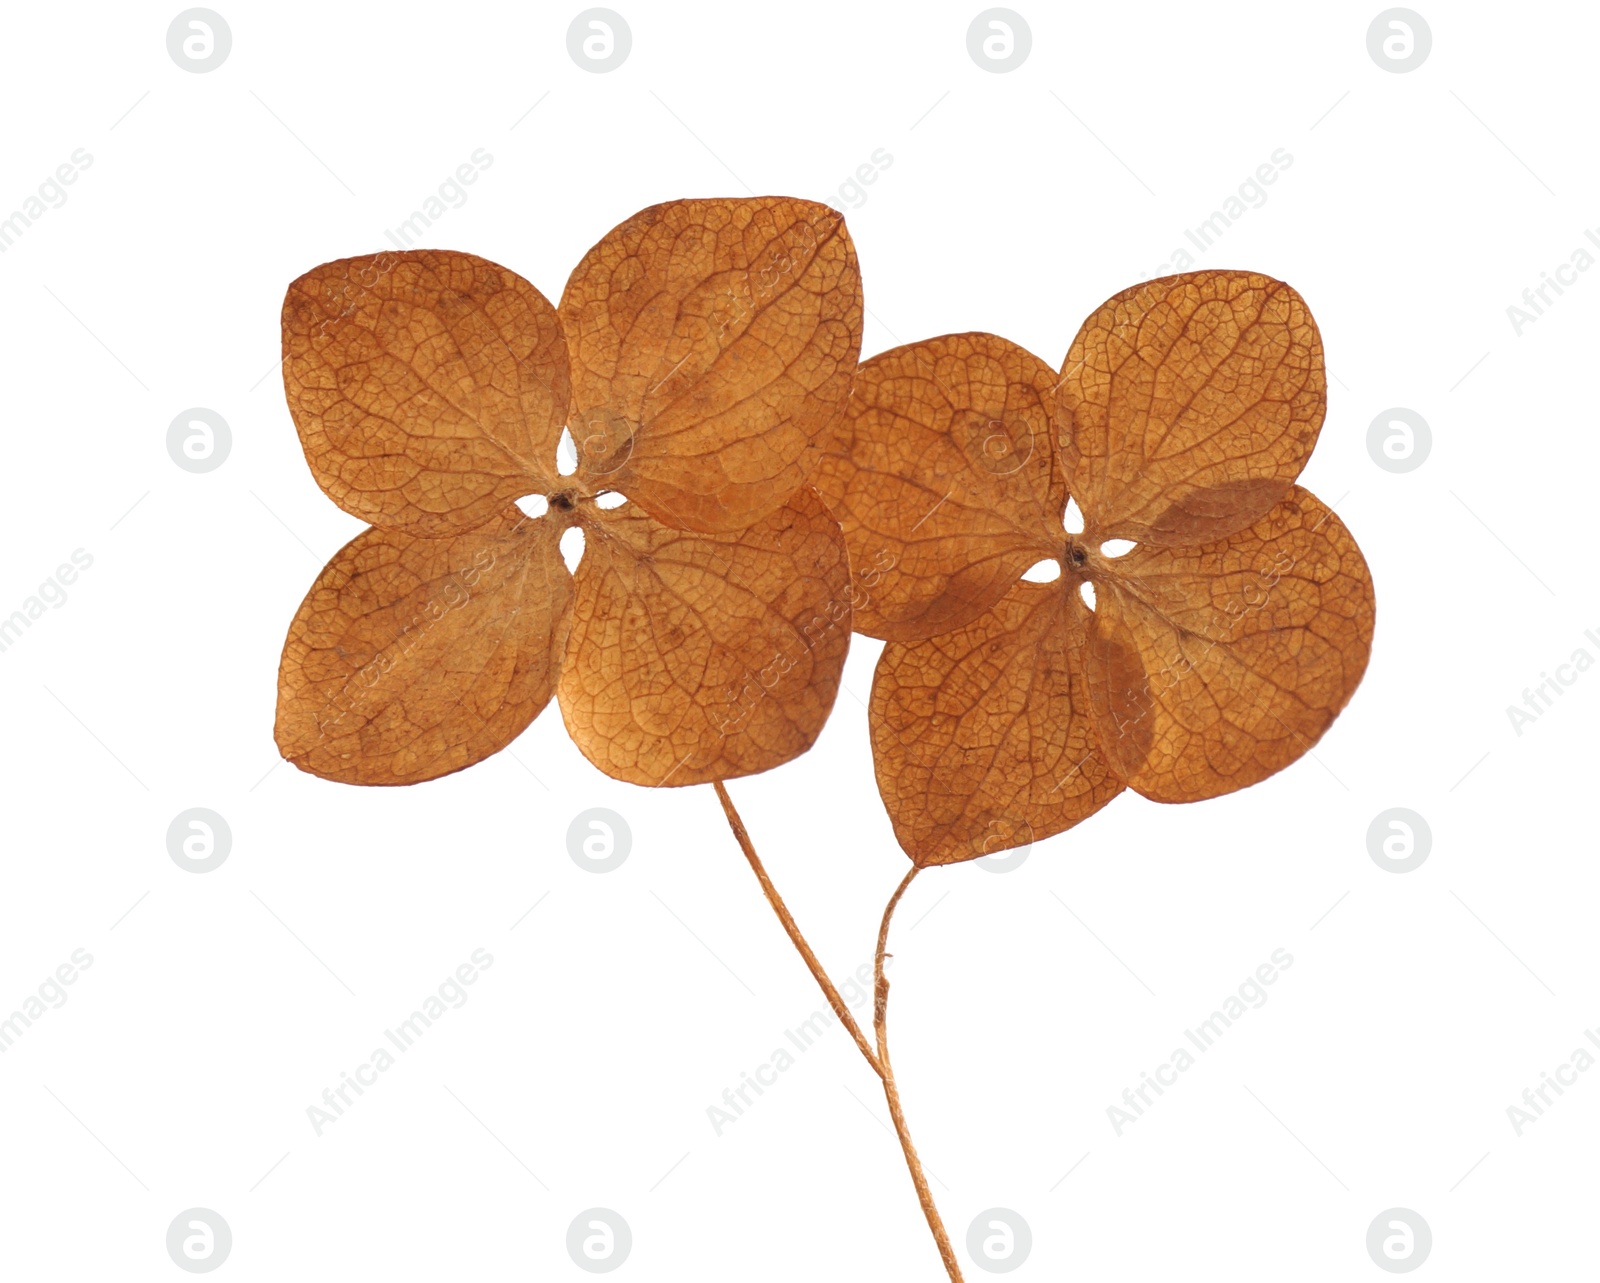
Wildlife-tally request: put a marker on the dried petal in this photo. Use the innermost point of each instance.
(981, 737)
(713, 341)
(429, 387)
(1188, 406)
(944, 479)
(697, 657)
(1211, 668)
(411, 658)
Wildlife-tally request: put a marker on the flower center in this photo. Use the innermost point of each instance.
(1080, 570)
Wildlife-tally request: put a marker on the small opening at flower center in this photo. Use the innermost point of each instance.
(1072, 519)
(572, 543)
(566, 454)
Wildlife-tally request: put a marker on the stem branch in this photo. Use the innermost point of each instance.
(789, 925)
(880, 1018)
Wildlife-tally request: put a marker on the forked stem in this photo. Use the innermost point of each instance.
(880, 1008)
(789, 925)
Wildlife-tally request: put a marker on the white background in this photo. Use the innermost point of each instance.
(1419, 1006)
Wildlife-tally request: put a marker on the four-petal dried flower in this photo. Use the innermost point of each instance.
(1211, 655)
(701, 352)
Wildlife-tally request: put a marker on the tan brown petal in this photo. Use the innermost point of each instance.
(713, 343)
(1211, 668)
(981, 736)
(429, 387)
(945, 481)
(1188, 405)
(413, 657)
(697, 657)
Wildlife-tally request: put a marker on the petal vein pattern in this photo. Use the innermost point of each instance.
(1189, 405)
(412, 657)
(696, 657)
(981, 736)
(429, 388)
(1211, 668)
(943, 476)
(713, 346)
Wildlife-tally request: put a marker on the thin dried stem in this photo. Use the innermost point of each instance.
(782, 910)
(880, 1024)
(880, 1019)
